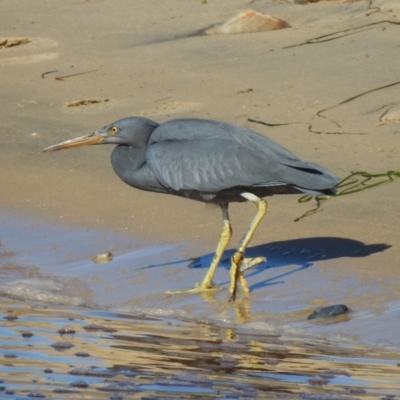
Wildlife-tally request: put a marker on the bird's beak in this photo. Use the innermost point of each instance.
(93, 138)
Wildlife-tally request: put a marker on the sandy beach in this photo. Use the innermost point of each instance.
(326, 86)
(330, 85)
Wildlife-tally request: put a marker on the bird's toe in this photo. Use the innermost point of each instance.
(249, 263)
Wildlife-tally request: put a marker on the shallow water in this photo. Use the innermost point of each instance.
(53, 263)
(133, 341)
(116, 356)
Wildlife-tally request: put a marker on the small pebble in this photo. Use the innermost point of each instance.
(61, 346)
(66, 330)
(10, 317)
(102, 258)
(93, 327)
(79, 384)
(82, 354)
(109, 330)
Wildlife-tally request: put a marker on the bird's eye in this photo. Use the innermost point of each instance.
(114, 130)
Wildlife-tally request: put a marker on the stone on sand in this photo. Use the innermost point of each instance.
(250, 22)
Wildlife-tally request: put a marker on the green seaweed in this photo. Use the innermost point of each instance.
(353, 183)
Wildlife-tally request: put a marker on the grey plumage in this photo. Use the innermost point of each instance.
(212, 161)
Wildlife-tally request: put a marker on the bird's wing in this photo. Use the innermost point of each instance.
(210, 156)
(195, 129)
(210, 165)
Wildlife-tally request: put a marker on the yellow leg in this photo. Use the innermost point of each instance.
(225, 237)
(236, 273)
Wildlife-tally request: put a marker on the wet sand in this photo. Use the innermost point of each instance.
(152, 59)
(67, 353)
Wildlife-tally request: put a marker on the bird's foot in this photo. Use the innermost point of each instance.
(197, 289)
(249, 263)
(238, 266)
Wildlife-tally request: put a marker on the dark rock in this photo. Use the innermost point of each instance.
(82, 354)
(61, 346)
(79, 384)
(10, 317)
(329, 312)
(66, 330)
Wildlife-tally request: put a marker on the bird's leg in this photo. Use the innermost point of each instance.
(236, 271)
(225, 237)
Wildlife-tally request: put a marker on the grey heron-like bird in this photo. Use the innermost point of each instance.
(212, 162)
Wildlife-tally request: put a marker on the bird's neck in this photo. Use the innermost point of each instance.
(126, 161)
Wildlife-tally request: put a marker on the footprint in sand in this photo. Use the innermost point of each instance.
(18, 50)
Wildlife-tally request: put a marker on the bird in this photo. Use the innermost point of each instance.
(211, 162)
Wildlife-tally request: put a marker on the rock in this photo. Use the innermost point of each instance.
(61, 346)
(329, 312)
(250, 22)
(102, 258)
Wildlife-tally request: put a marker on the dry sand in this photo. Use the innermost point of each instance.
(150, 58)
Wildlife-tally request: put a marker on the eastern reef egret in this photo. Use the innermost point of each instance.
(212, 162)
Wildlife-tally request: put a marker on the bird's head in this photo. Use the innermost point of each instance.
(131, 131)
